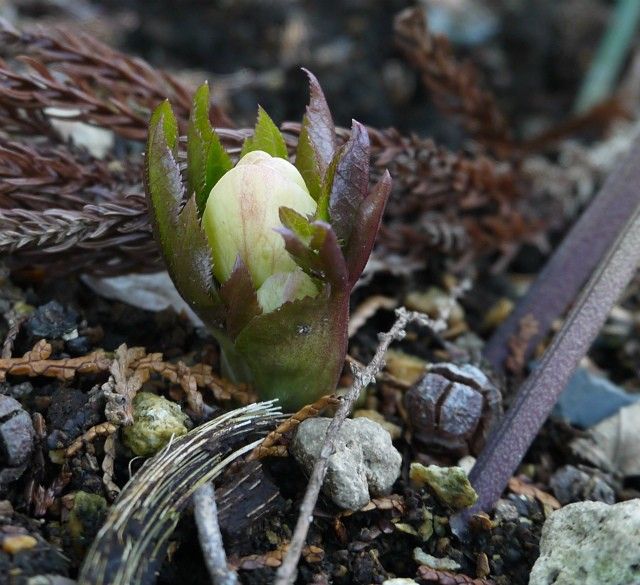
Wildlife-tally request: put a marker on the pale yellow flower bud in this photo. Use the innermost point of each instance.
(240, 218)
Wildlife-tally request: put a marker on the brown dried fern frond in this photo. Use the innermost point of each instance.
(38, 175)
(105, 87)
(451, 202)
(454, 86)
(62, 208)
(457, 195)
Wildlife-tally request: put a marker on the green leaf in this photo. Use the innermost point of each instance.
(266, 137)
(314, 247)
(297, 223)
(307, 163)
(322, 211)
(190, 266)
(296, 353)
(178, 232)
(163, 117)
(163, 182)
(207, 161)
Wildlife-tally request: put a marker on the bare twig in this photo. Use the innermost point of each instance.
(363, 377)
(206, 513)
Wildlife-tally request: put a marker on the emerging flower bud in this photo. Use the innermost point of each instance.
(240, 221)
(267, 253)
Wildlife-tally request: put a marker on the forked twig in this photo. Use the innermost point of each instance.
(362, 377)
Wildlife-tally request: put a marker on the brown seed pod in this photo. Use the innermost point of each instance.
(452, 408)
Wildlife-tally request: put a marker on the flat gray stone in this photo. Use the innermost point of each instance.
(364, 465)
(590, 543)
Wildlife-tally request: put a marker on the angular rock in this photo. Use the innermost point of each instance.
(16, 440)
(590, 543)
(71, 413)
(16, 433)
(365, 463)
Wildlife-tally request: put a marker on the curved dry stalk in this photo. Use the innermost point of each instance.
(131, 544)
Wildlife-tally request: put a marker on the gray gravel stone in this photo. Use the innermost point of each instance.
(570, 484)
(16, 440)
(16, 433)
(365, 463)
(506, 511)
(590, 543)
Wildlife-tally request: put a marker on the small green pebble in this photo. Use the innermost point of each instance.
(155, 421)
(450, 484)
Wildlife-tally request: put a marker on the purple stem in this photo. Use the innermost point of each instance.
(561, 279)
(537, 396)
